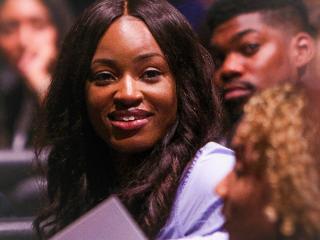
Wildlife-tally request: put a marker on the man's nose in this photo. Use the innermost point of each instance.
(232, 67)
(128, 93)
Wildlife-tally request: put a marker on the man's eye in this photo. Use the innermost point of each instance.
(103, 78)
(151, 74)
(250, 48)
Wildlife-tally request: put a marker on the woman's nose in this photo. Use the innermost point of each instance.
(222, 187)
(129, 92)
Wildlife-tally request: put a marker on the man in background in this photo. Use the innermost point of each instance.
(256, 44)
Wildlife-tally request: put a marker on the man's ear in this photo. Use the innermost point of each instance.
(303, 49)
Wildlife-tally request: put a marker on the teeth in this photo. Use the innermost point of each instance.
(126, 119)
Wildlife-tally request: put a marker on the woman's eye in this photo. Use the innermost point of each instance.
(250, 48)
(239, 170)
(103, 78)
(239, 167)
(151, 74)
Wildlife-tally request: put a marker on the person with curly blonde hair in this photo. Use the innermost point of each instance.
(273, 191)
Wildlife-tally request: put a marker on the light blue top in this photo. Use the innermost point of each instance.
(197, 208)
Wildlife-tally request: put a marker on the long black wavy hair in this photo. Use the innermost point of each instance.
(80, 173)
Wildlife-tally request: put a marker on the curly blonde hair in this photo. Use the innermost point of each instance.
(276, 126)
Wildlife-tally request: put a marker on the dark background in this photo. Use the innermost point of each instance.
(194, 10)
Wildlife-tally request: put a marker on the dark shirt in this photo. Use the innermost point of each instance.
(17, 108)
(5, 207)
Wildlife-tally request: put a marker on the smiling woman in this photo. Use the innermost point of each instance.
(136, 82)
(131, 111)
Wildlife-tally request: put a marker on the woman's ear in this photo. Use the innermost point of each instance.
(303, 49)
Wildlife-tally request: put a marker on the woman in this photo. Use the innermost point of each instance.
(30, 33)
(273, 190)
(129, 108)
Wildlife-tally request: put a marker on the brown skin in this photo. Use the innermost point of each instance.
(246, 195)
(130, 74)
(316, 63)
(312, 78)
(253, 55)
(313, 75)
(28, 39)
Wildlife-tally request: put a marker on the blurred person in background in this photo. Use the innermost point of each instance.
(30, 34)
(256, 44)
(273, 191)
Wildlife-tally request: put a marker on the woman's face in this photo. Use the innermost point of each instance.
(26, 31)
(131, 94)
(246, 194)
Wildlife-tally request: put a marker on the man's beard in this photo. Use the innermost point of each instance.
(234, 111)
(232, 114)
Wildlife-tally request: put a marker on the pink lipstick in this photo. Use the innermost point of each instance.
(128, 120)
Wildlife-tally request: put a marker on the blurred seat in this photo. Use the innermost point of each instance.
(20, 183)
(16, 229)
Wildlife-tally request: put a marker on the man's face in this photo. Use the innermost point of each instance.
(249, 55)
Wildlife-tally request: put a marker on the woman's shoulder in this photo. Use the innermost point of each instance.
(210, 164)
(196, 210)
(214, 148)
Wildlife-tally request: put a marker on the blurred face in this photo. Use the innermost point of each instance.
(250, 55)
(246, 194)
(131, 95)
(313, 75)
(25, 26)
(316, 62)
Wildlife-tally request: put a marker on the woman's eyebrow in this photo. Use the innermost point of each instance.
(144, 56)
(103, 62)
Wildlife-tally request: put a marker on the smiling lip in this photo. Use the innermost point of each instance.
(128, 120)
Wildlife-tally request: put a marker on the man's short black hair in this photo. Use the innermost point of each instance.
(291, 13)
